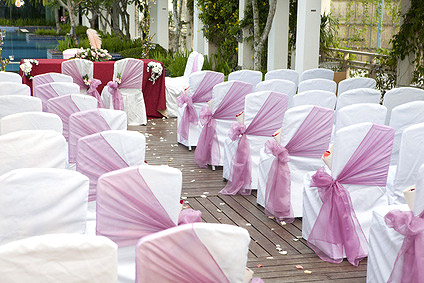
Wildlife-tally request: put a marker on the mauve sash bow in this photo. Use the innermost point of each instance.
(189, 115)
(205, 115)
(237, 129)
(118, 103)
(92, 90)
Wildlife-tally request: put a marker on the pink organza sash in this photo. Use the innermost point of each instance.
(310, 140)
(83, 124)
(410, 260)
(45, 92)
(203, 93)
(207, 150)
(268, 120)
(127, 209)
(177, 257)
(63, 106)
(195, 67)
(336, 228)
(95, 157)
(41, 79)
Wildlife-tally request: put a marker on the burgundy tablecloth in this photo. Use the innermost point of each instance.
(154, 94)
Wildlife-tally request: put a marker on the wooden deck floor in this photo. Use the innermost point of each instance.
(200, 191)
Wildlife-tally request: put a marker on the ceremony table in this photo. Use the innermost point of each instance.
(154, 94)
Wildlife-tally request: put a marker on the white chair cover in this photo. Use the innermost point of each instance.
(318, 73)
(59, 258)
(10, 88)
(69, 53)
(11, 104)
(315, 97)
(38, 201)
(283, 74)
(194, 64)
(247, 76)
(54, 89)
(30, 121)
(10, 77)
(359, 95)
(354, 83)
(278, 85)
(360, 113)
(49, 78)
(398, 96)
(318, 84)
(32, 149)
(85, 67)
(132, 98)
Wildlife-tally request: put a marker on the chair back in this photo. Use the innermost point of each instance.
(11, 104)
(319, 98)
(30, 121)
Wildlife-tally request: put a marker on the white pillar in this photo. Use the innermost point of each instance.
(200, 43)
(307, 34)
(278, 38)
(245, 51)
(159, 22)
(325, 7)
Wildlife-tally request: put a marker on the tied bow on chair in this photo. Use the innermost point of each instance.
(92, 90)
(118, 103)
(205, 116)
(236, 130)
(189, 115)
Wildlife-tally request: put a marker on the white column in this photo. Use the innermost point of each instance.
(307, 34)
(132, 11)
(245, 51)
(278, 38)
(200, 43)
(159, 22)
(325, 7)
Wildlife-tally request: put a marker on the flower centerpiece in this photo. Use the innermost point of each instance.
(26, 67)
(93, 54)
(155, 69)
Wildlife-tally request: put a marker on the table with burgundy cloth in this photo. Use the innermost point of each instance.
(154, 94)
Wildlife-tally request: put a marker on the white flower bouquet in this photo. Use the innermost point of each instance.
(93, 54)
(155, 69)
(26, 67)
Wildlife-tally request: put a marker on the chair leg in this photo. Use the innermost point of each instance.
(213, 168)
(189, 148)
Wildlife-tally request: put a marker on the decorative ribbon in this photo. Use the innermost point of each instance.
(118, 102)
(92, 90)
(207, 150)
(189, 115)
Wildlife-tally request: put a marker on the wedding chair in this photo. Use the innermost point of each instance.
(355, 83)
(49, 78)
(93, 121)
(247, 76)
(263, 115)
(216, 119)
(319, 98)
(398, 96)
(283, 74)
(199, 252)
(318, 84)
(360, 113)
(135, 202)
(10, 77)
(396, 237)
(191, 102)
(359, 95)
(38, 201)
(65, 105)
(402, 117)
(337, 208)
(54, 89)
(69, 53)
(81, 71)
(59, 257)
(10, 88)
(32, 149)
(279, 85)
(305, 136)
(318, 73)
(30, 121)
(174, 86)
(124, 92)
(11, 104)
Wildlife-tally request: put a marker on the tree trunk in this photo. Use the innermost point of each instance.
(57, 19)
(178, 24)
(73, 22)
(93, 18)
(116, 20)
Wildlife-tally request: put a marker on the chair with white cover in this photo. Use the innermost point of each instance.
(124, 92)
(30, 121)
(49, 78)
(59, 257)
(10, 77)
(199, 252)
(263, 116)
(279, 85)
(54, 89)
(318, 84)
(38, 201)
(305, 136)
(318, 73)
(337, 208)
(360, 113)
(355, 83)
(247, 76)
(191, 102)
(93, 121)
(81, 71)
(283, 74)
(402, 117)
(411, 156)
(319, 98)
(401, 95)
(174, 86)
(216, 119)
(396, 240)
(135, 202)
(359, 95)
(32, 149)
(11, 104)
(69, 53)
(9, 88)
(65, 105)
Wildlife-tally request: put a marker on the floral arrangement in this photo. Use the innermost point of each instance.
(118, 78)
(26, 67)
(86, 80)
(93, 54)
(156, 70)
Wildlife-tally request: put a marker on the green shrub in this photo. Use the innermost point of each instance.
(25, 22)
(81, 31)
